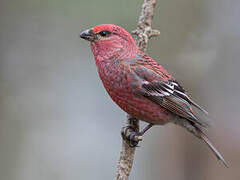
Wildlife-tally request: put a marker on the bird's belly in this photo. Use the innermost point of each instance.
(143, 109)
(137, 106)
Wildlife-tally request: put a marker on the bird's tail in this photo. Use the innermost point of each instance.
(198, 131)
(206, 140)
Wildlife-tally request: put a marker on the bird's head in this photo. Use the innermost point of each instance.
(109, 40)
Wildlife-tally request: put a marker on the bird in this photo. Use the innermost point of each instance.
(140, 86)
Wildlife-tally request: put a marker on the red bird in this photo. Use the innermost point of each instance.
(139, 85)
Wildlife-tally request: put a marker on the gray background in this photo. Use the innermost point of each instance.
(56, 120)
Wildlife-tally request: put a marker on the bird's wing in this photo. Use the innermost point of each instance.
(166, 93)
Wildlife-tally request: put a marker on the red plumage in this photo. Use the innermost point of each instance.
(139, 85)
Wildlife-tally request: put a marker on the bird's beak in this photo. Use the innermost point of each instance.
(87, 35)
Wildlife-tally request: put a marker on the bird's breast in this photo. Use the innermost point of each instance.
(115, 80)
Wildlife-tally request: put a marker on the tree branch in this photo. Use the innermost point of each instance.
(143, 33)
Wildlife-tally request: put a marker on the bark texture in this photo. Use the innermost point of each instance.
(143, 33)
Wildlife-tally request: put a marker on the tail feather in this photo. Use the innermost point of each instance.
(198, 131)
(213, 149)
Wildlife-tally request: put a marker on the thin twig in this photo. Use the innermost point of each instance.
(143, 32)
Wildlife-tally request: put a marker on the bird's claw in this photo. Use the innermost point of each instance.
(131, 136)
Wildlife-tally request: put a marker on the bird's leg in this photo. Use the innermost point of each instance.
(132, 135)
(145, 129)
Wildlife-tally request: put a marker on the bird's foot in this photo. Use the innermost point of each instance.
(130, 134)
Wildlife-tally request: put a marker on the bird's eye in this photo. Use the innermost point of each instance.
(104, 33)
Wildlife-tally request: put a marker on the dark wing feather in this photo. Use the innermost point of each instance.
(172, 96)
(179, 91)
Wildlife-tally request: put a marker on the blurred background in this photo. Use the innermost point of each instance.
(56, 120)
